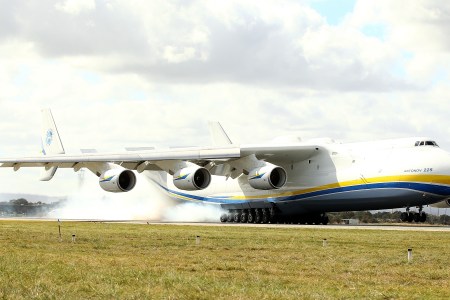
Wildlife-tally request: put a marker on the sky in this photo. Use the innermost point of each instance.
(152, 73)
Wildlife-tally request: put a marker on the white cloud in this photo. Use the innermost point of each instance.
(177, 55)
(76, 7)
(419, 28)
(250, 42)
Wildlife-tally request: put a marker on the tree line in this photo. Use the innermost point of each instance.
(367, 217)
(22, 207)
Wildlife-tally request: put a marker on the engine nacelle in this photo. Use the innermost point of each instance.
(192, 178)
(117, 180)
(268, 177)
(442, 204)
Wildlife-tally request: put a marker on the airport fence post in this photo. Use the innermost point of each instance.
(410, 257)
(59, 230)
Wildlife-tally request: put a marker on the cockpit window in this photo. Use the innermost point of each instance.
(426, 143)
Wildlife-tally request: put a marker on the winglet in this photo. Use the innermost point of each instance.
(218, 135)
(51, 142)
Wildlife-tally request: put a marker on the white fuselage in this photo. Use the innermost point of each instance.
(356, 176)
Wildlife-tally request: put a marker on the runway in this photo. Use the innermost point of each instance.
(295, 226)
(219, 224)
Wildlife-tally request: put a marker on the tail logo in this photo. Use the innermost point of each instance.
(49, 137)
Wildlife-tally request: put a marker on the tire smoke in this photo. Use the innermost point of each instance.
(145, 202)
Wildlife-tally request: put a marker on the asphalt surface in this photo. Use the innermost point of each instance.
(293, 226)
(406, 227)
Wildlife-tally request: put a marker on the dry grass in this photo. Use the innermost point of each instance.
(130, 261)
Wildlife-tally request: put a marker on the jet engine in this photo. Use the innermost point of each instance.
(192, 178)
(267, 177)
(442, 204)
(117, 180)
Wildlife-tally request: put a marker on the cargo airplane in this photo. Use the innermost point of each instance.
(286, 180)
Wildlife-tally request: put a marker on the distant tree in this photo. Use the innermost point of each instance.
(444, 219)
(381, 217)
(20, 201)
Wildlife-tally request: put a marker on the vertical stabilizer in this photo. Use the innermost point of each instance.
(51, 142)
(218, 135)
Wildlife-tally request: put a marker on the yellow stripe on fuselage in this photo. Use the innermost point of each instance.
(436, 179)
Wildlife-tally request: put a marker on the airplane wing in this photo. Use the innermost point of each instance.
(201, 155)
(222, 159)
(69, 161)
(191, 167)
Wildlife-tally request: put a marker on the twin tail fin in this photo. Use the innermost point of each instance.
(50, 141)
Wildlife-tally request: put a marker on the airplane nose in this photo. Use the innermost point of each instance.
(441, 160)
(447, 163)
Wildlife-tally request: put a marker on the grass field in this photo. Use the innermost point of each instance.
(132, 261)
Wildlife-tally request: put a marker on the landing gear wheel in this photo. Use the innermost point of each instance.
(410, 217)
(423, 217)
(251, 216)
(244, 217)
(417, 217)
(272, 212)
(223, 218)
(265, 216)
(258, 216)
(403, 217)
(236, 217)
(230, 217)
(325, 220)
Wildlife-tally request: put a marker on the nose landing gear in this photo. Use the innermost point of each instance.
(418, 217)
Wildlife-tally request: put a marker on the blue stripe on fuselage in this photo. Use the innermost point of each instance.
(438, 190)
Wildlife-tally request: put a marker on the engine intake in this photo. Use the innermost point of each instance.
(192, 178)
(117, 180)
(267, 178)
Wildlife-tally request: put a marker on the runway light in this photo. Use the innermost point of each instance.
(197, 240)
(325, 242)
(73, 238)
(410, 257)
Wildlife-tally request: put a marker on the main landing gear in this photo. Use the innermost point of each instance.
(269, 215)
(254, 215)
(417, 217)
